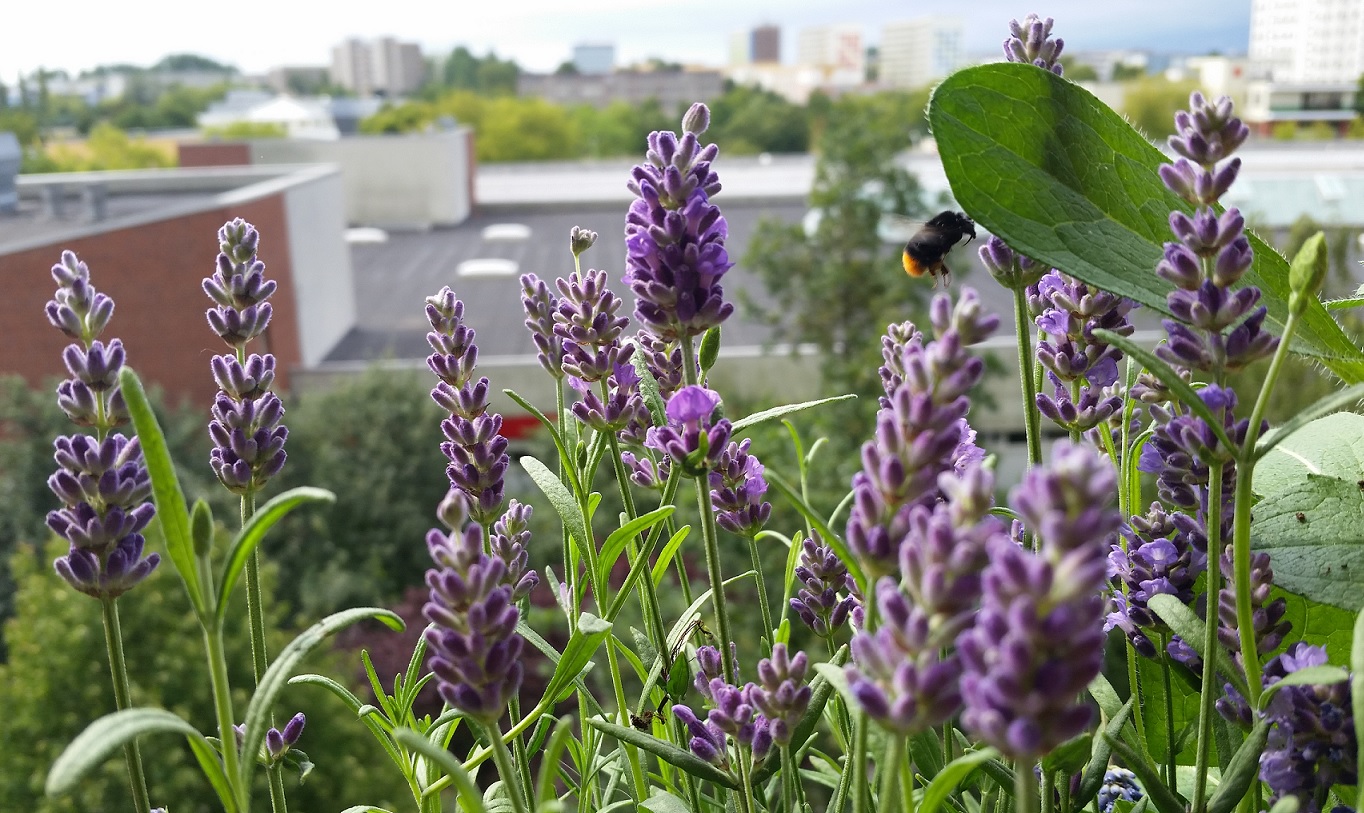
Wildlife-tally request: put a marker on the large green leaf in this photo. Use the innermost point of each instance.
(1050, 169)
(1311, 520)
(253, 533)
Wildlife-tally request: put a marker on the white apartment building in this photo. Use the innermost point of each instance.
(836, 52)
(915, 53)
(1307, 41)
(382, 67)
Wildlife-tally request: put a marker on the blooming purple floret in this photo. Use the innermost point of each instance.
(823, 601)
(737, 489)
(674, 235)
(691, 439)
(1031, 42)
(623, 407)
(921, 432)
(248, 436)
(278, 743)
(1159, 559)
(1038, 641)
(1214, 328)
(1313, 744)
(101, 481)
(476, 651)
(477, 452)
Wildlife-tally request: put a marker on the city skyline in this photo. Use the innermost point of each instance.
(539, 34)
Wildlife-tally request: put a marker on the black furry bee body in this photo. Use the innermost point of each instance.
(926, 250)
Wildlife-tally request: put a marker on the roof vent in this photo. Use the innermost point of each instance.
(10, 157)
(486, 267)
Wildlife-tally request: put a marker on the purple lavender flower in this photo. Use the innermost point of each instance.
(540, 305)
(1268, 617)
(587, 323)
(510, 540)
(278, 743)
(473, 443)
(1159, 559)
(664, 360)
(1079, 366)
(1312, 745)
(692, 439)
(1037, 640)
(1119, 783)
(1184, 446)
(1031, 43)
(920, 433)
(248, 436)
(782, 694)
(737, 489)
(476, 651)
(1213, 252)
(707, 740)
(623, 407)
(675, 237)
(644, 472)
(101, 480)
(1008, 267)
(823, 576)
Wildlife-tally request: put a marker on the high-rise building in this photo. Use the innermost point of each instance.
(593, 58)
(836, 51)
(1301, 41)
(765, 44)
(383, 67)
(919, 52)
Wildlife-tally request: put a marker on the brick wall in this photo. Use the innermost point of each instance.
(214, 154)
(154, 273)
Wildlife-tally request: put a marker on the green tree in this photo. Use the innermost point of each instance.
(749, 120)
(1150, 104)
(56, 683)
(1077, 72)
(190, 63)
(1123, 72)
(834, 282)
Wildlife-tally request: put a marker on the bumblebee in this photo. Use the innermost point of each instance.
(926, 250)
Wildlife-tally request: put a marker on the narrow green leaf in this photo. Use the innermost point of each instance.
(619, 538)
(674, 636)
(273, 681)
(826, 533)
(648, 388)
(664, 802)
(665, 556)
(549, 766)
(1308, 676)
(1093, 776)
(925, 749)
(588, 635)
(1165, 799)
(1106, 696)
(709, 351)
(253, 532)
(1357, 692)
(210, 763)
(365, 809)
(1335, 402)
(469, 795)
(171, 509)
(951, 776)
(1070, 756)
(782, 411)
(1288, 804)
(330, 685)
(1244, 768)
(1038, 161)
(1343, 304)
(838, 680)
(1182, 390)
(561, 444)
(562, 500)
(106, 735)
(1188, 626)
(666, 751)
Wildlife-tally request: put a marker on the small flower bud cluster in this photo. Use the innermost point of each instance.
(623, 407)
(754, 717)
(1184, 446)
(675, 237)
(920, 432)
(1119, 784)
(1160, 559)
(1008, 267)
(824, 599)
(1031, 43)
(1313, 745)
(277, 742)
(737, 489)
(476, 651)
(588, 324)
(510, 543)
(101, 480)
(540, 305)
(473, 443)
(248, 436)
(692, 439)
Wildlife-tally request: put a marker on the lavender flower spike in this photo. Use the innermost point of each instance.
(1313, 743)
(476, 651)
(103, 485)
(692, 439)
(675, 237)
(737, 489)
(1031, 43)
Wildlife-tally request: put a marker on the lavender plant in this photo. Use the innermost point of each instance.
(965, 656)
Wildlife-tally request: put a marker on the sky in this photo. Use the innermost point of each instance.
(256, 35)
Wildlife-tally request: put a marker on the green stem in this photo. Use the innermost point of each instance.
(648, 597)
(260, 653)
(1214, 582)
(890, 771)
(1240, 539)
(906, 787)
(1032, 419)
(222, 706)
(1048, 788)
(1025, 788)
(118, 672)
(861, 737)
(506, 769)
(769, 632)
(747, 802)
(1169, 711)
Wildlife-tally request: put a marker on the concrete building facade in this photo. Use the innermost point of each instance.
(837, 52)
(670, 88)
(1307, 41)
(765, 44)
(382, 67)
(920, 52)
